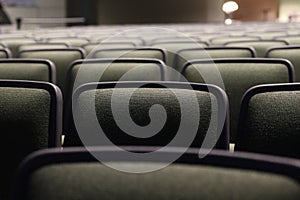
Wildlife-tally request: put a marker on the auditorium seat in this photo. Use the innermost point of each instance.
(260, 46)
(142, 52)
(290, 53)
(31, 115)
(43, 45)
(221, 40)
(14, 43)
(178, 123)
(71, 41)
(61, 57)
(269, 120)
(90, 47)
(184, 55)
(74, 173)
(291, 39)
(173, 46)
(267, 35)
(236, 76)
(106, 70)
(5, 53)
(28, 69)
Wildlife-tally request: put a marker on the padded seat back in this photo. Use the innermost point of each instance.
(237, 76)
(30, 119)
(269, 120)
(181, 119)
(74, 173)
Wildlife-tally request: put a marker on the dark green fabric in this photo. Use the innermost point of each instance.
(260, 47)
(3, 54)
(217, 41)
(139, 106)
(41, 46)
(238, 78)
(130, 54)
(272, 124)
(25, 71)
(14, 43)
(290, 54)
(73, 42)
(24, 124)
(267, 35)
(62, 60)
(89, 48)
(187, 55)
(103, 72)
(172, 48)
(95, 181)
(292, 39)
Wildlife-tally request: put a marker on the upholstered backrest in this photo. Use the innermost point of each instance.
(62, 58)
(221, 40)
(173, 46)
(42, 46)
(14, 43)
(5, 53)
(30, 119)
(290, 53)
(105, 70)
(28, 69)
(184, 55)
(269, 121)
(237, 76)
(260, 46)
(90, 47)
(74, 173)
(72, 41)
(154, 53)
(190, 114)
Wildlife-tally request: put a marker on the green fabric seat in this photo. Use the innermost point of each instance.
(290, 53)
(221, 40)
(90, 47)
(72, 41)
(14, 43)
(5, 53)
(173, 46)
(181, 103)
(106, 70)
(184, 55)
(155, 53)
(237, 76)
(61, 57)
(30, 119)
(291, 39)
(267, 35)
(28, 69)
(260, 46)
(269, 120)
(74, 174)
(42, 46)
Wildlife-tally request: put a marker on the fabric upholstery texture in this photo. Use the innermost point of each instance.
(25, 71)
(24, 125)
(190, 54)
(140, 103)
(61, 58)
(177, 181)
(260, 47)
(272, 124)
(237, 79)
(291, 54)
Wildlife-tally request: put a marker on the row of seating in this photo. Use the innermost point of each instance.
(31, 117)
(225, 73)
(196, 102)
